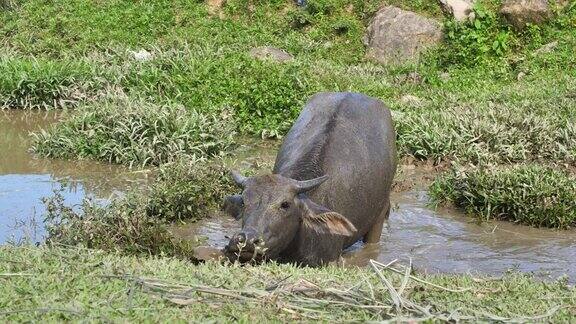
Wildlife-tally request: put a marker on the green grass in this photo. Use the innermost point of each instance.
(201, 62)
(57, 284)
(527, 194)
(138, 223)
(136, 133)
(42, 83)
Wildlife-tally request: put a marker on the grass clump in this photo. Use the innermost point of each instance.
(527, 194)
(39, 83)
(74, 284)
(263, 96)
(138, 223)
(188, 190)
(498, 134)
(136, 133)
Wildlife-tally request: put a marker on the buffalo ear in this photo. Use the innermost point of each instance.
(329, 223)
(233, 206)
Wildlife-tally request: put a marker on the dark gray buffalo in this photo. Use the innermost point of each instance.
(329, 188)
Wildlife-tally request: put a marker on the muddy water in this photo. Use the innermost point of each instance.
(24, 180)
(435, 240)
(440, 241)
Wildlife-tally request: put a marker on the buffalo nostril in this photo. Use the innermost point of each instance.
(257, 241)
(240, 238)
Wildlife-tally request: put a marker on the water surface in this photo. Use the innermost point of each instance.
(25, 180)
(441, 241)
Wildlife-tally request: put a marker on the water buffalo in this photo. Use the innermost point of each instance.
(330, 185)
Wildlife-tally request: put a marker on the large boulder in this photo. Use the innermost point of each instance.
(519, 13)
(397, 36)
(461, 10)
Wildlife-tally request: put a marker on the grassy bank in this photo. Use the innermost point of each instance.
(137, 133)
(138, 223)
(484, 77)
(56, 284)
(527, 194)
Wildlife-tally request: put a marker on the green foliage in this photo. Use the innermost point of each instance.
(136, 133)
(188, 190)
(138, 223)
(265, 96)
(527, 194)
(41, 83)
(120, 226)
(56, 284)
(474, 42)
(496, 135)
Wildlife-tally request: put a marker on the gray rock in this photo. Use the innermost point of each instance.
(215, 6)
(550, 47)
(519, 13)
(271, 53)
(461, 10)
(520, 75)
(397, 36)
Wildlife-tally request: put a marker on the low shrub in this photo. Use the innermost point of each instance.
(265, 96)
(121, 226)
(528, 194)
(138, 223)
(188, 190)
(40, 83)
(497, 135)
(136, 133)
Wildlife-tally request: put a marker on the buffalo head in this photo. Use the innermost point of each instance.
(273, 210)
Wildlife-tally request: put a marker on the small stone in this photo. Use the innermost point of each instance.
(461, 10)
(519, 13)
(271, 53)
(215, 6)
(445, 76)
(142, 55)
(520, 75)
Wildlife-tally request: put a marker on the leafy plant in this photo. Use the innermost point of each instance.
(528, 194)
(138, 223)
(39, 83)
(472, 42)
(136, 133)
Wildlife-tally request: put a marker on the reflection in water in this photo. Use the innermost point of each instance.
(442, 241)
(24, 180)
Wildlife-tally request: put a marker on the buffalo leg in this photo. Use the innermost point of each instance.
(373, 235)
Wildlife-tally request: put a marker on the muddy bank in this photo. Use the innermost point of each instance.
(25, 180)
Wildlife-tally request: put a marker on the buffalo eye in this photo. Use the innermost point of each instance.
(285, 205)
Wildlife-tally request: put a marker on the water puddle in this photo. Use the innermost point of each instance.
(25, 180)
(441, 241)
